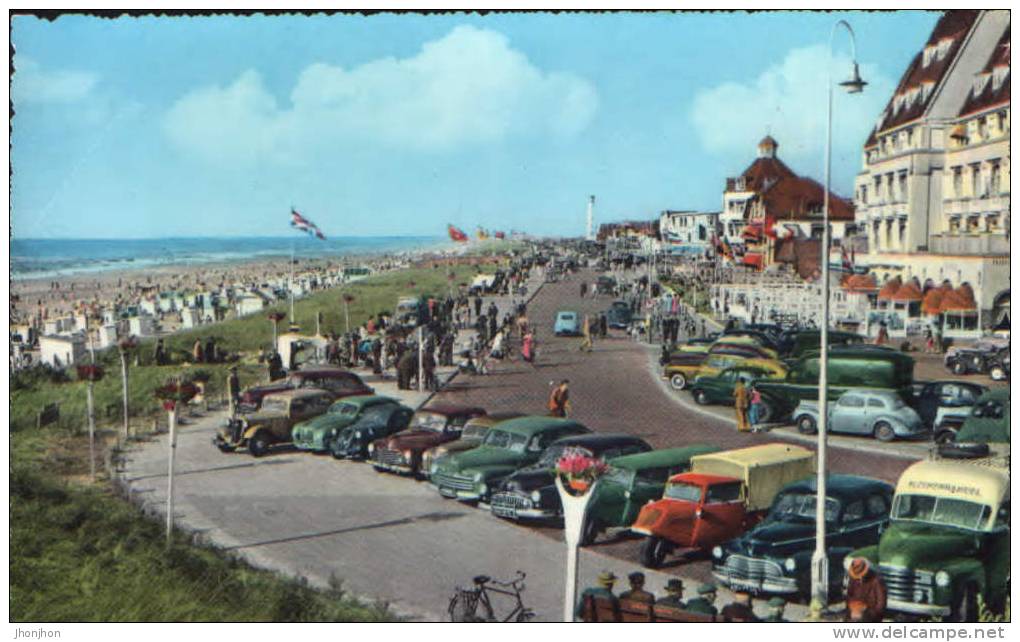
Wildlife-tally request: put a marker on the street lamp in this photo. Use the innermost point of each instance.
(820, 560)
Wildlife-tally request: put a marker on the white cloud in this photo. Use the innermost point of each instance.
(469, 87)
(788, 101)
(33, 83)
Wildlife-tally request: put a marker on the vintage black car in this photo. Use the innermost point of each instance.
(530, 493)
(976, 358)
(944, 405)
(619, 316)
(375, 422)
(775, 556)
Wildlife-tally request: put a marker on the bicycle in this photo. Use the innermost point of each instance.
(464, 605)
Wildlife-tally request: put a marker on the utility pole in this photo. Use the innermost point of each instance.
(90, 398)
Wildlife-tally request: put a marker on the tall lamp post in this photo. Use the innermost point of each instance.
(820, 559)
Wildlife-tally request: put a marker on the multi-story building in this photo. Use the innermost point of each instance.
(932, 198)
(688, 232)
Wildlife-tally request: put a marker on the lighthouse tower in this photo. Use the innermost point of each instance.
(591, 233)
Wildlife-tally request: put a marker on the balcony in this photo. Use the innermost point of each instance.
(969, 244)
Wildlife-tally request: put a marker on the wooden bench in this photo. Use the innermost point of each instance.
(663, 613)
(601, 609)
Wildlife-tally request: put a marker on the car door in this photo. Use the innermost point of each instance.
(721, 387)
(847, 415)
(928, 403)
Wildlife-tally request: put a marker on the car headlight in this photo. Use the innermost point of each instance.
(717, 552)
(371, 448)
(477, 477)
(790, 564)
(942, 579)
(536, 496)
(357, 434)
(407, 455)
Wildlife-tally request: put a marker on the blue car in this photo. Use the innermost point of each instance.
(567, 324)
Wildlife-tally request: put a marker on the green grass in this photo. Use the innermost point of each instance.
(79, 552)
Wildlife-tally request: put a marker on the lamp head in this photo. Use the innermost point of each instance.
(856, 84)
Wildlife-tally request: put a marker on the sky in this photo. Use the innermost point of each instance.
(400, 124)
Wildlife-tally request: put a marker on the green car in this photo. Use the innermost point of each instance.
(632, 482)
(718, 389)
(509, 446)
(315, 434)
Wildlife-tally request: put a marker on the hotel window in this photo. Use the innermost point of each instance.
(902, 196)
(888, 234)
(864, 194)
(975, 179)
(995, 177)
(992, 222)
(973, 224)
(878, 188)
(889, 187)
(982, 128)
(876, 234)
(954, 225)
(902, 233)
(958, 181)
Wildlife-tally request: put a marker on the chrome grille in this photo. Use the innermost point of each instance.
(751, 569)
(906, 585)
(453, 480)
(509, 500)
(388, 457)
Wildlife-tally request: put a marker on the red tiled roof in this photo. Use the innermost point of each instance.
(989, 95)
(795, 197)
(959, 300)
(765, 170)
(860, 283)
(908, 292)
(953, 24)
(891, 287)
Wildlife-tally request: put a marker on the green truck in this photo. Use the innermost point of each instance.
(947, 542)
(849, 367)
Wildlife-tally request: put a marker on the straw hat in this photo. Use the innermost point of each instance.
(858, 568)
(606, 578)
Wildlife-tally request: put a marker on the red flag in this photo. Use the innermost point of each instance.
(456, 235)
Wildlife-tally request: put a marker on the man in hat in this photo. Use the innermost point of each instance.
(776, 606)
(705, 601)
(740, 609)
(865, 593)
(637, 590)
(674, 594)
(606, 580)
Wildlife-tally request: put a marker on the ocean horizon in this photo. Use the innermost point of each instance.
(45, 258)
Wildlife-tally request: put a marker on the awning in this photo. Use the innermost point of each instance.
(891, 287)
(960, 131)
(752, 230)
(908, 292)
(753, 259)
(959, 300)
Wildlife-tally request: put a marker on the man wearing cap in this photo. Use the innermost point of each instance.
(674, 594)
(776, 606)
(740, 609)
(606, 580)
(865, 593)
(705, 601)
(637, 590)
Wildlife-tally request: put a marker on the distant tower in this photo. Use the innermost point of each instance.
(591, 204)
(767, 147)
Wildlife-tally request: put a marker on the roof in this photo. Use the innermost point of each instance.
(983, 484)
(367, 400)
(762, 172)
(600, 441)
(660, 458)
(841, 487)
(533, 424)
(763, 455)
(953, 24)
(990, 96)
(798, 197)
(450, 409)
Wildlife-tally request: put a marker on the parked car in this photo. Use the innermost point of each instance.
(272, 423)
(998, 365)
(796, 344)
(741, 347)
(724, 494)
(986, 428)
(513, 444)
(974, 359)
(850, 367)
(763, 339)
(944, 405)
(567, 324)
(879, 413)
(948, 541)
(631, 482)
(605, 285)
(315, 434)
(375, 422)
(619, 316)
(682, 368)
(718, 389)
(530, 493)
(775, 555)
(470, 437)
(431, 426)
(339, 383)
(407, 312)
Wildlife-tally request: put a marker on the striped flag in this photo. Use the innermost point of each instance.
(303, 224)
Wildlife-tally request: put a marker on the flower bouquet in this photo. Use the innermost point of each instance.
(579, 471)
(90, 372)
(175, 392)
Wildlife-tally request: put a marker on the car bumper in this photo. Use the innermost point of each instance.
(400, 469)
(519, 510)
(915, 608)
(311, 445)
(462, 495)
(784, 585)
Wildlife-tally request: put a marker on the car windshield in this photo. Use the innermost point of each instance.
(683, 492)
(275, 405)
(474, 431)
(343, 409)
(943, 511)
(428, 421)
(497, 439)
(801, 506)
(620, 476)
(517, 443)
(554, 453)
(897, 403)
(566, 316)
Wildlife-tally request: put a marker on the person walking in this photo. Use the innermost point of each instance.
(741, 401)
(559, 400)
(159, 356)
(754, 413)
(584, 289)
(528, 348)
(196, 351)
(586, 335)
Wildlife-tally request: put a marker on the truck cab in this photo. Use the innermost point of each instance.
(723, 495)
(948, 540)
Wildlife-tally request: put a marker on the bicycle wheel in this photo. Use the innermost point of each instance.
(463, 606)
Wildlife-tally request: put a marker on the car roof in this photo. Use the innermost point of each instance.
(995, 394)
(367, 400)
(660, 458)
(494, 418)
(600, 441)
(533, 424)
(841, 487)
(336, 373)
(955, 382)
(874, 392)
(296, 393)
(453, 410)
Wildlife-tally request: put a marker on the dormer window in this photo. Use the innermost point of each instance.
(926, 89)
(998, 76)
(929, 54)
(980, 81)
(943, 47)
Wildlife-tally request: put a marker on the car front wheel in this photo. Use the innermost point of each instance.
(959, 368)
(259, 444)
(997, 373)
(700, 397)
(806, 425)
(884, 431)
(653, 552)
(678, 381)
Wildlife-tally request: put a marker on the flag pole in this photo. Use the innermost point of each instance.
(291, 287)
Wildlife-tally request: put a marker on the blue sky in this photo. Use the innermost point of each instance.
(398, 124)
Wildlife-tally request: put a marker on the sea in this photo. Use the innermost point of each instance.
(48, 258)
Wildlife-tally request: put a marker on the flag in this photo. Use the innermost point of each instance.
(848, 265)
(500, 235)
(456, 235)
(303, 224)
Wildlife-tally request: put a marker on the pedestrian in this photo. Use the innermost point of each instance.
(755, 409)
(883, 335)
(637, 592)
(584, 288)
(159, 356)
(865, 593)
(740, 404)
(196, 351)
(210, 350)
(606, 580)
(233, 390)
(740, 609)
(674, 594)
(377, 356)
(478, 306)
(929, 339)
(705, 602)
(429, 368)
(528, 348)
(603, 325)
(559, 400)
(586, 335)
(776, 607)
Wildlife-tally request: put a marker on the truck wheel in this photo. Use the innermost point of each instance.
(884, 432)
(259, 444)
(959, 368)
(806, 425)
(945, 436)
(590, 531)
(678, 381)
(965, 605)
(700, 397)
(653, 552)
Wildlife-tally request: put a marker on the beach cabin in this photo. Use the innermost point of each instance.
(62, 351)
(249, 304)
(191, 317)
(149, 306)
(141, 326)
(296, 349)
(107, 335)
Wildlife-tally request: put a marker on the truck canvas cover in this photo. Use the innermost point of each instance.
(764, 469)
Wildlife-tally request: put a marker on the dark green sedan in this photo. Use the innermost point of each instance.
(315, 434)
(718, 389)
